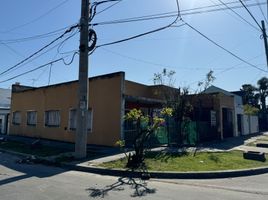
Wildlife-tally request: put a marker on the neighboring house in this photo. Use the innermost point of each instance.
(243, 124)
(213, 113)
(5, 95)
(50, 112)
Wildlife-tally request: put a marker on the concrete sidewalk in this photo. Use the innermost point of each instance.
(219, 146)
(92, 165)
(226, 145)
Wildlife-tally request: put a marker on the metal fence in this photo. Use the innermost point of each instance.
(187, 133)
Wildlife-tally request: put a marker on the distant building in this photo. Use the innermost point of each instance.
(5, 95)
(243, 124)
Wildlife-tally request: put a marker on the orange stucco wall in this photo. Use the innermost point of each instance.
(137, 90)
(105, 99)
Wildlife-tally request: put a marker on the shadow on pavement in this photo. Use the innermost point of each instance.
(24, 170)
(139, 187)
(229, 143)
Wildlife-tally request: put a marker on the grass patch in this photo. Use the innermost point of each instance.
(202, 161)
(27, 148)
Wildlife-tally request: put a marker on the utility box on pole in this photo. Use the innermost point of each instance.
(82, 108)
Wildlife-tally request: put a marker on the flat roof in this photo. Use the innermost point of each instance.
(70, 82)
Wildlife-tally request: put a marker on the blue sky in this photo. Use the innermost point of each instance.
(177, 48)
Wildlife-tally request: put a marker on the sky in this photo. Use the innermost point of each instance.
(178, 48)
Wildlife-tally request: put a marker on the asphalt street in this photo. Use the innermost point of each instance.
(38, 182)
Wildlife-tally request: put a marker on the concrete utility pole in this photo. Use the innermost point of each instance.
(82, 109)
(265, 40)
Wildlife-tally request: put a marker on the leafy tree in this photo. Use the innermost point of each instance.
(145, 128)
(249, 95)
(263, 91)
(165, 77)
(250, 110)
(210, 78)
(175, 98)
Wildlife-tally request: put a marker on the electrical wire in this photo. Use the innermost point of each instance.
(38, 36)
(258, 2)
(39, 76)
(39, 67)
(223, 48)
(170, 14)
(232, 10)
(162, 65)
(93, 9)
(72, 59)
(148, 32)
(32, 70)
(10, 48)
(64, 41)
(107, 8)
(137, 36)
(142, 34)
(250, 13)
(40, 50)
(32, 59)
(227, 69)
(36, 19)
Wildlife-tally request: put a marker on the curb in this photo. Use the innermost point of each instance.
(40, 159)
(168, 174)
(153, 174)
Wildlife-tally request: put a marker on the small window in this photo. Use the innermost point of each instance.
(89, 120)
(52, 118)
(72, 119)
(31, 118)
(16, 119)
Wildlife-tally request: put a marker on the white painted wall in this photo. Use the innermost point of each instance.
(250, 124)
(3, 117)
(254, 124)
(245, 125)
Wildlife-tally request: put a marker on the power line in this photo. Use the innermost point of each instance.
(107, 8)
(223, 48)
(40, 67)
(40, 50)
(32, 70)
(64, 41)
(93, 8)
(258, 2)
(163, 65)
(227, 69)
(39, 55)
(145, 33)
(38, 36)
(137, 36)
(37, 18)
(10, 48)
(170, 14)
(250, 13)
(32, 59)
(223, 3)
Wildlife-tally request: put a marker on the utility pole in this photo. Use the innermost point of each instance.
(265, 40)
(82, 108)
